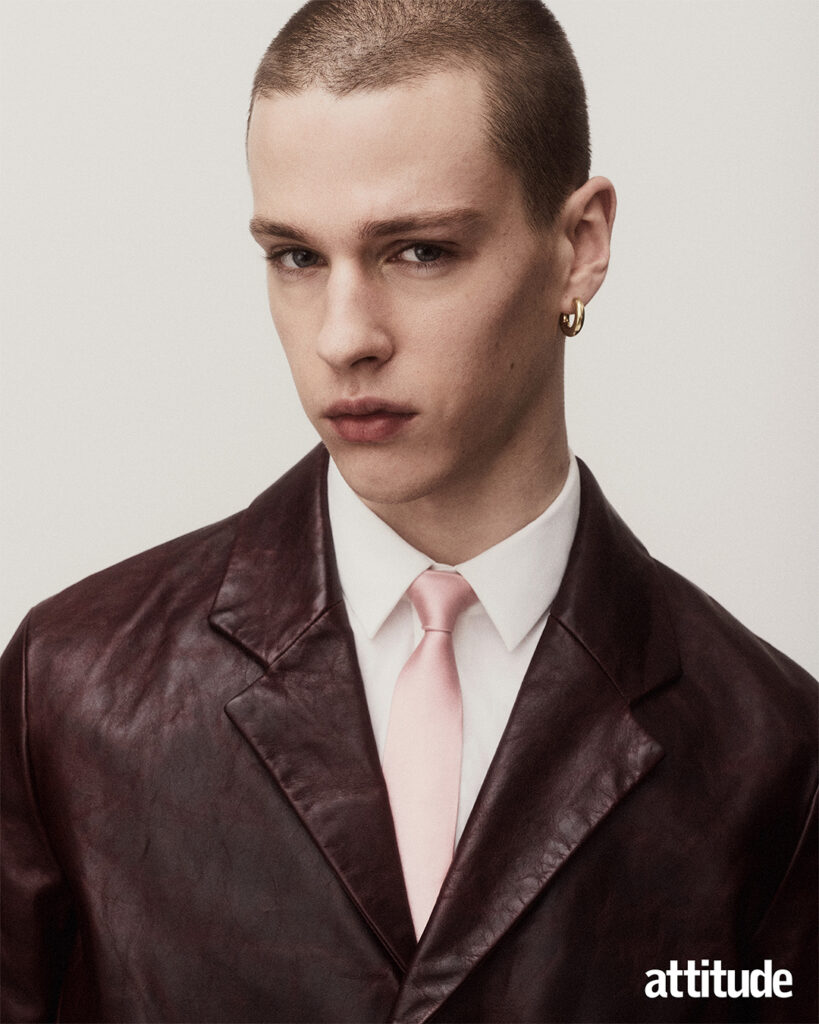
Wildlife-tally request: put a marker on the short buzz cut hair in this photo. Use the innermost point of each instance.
(536, 115)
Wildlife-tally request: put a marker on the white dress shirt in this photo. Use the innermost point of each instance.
(494, 640)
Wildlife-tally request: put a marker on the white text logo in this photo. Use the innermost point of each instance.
(712, 979)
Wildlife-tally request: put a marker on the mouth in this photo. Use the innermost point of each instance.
(367, 420)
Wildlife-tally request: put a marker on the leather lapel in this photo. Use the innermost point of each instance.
(306, 717)
(571, 752)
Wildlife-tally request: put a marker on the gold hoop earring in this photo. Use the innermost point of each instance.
(571, 328)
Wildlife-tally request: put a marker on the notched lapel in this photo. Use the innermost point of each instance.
(571, 752)
(306, 717)
(308, 722)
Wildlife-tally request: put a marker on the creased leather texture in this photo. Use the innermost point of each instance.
(197, 828)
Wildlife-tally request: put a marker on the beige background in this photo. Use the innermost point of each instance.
(143, 393)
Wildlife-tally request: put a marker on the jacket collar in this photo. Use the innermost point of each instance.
(612, 601)
(562, 764)
(281, 577)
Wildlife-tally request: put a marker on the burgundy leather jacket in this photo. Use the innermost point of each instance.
(197, 828)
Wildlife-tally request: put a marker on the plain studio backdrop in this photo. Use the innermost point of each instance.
(143, 390)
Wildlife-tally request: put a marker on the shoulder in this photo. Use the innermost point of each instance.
(169, 588)
(716, 647)
(647, 625)
(176, 574)
(735, 717)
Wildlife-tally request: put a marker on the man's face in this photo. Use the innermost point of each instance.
(416, 305)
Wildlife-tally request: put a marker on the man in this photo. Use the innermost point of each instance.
(222, 799)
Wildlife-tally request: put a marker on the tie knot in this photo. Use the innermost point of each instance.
(439, 598)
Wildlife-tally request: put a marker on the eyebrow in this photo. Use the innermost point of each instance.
(465, 218)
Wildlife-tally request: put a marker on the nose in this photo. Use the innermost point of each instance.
(354, 328)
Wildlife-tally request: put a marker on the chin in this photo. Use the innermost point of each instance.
(380, 479)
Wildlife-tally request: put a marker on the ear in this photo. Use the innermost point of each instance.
(586, 222)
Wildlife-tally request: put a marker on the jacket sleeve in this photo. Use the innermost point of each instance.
(787, 934)
(37, 918)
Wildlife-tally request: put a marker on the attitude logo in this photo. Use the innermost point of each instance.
(707, 980)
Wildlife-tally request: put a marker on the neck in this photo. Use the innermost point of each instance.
(453, 527)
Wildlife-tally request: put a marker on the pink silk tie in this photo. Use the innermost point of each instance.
(422, 756)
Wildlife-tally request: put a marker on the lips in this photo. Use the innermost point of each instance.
(367, 420)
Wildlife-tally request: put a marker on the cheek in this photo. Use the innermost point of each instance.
(525, 313)
(524, 349)
(502, 332)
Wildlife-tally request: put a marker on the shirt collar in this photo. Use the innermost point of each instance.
(515, 580)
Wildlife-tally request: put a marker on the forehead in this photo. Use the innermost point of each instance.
(375, 154)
